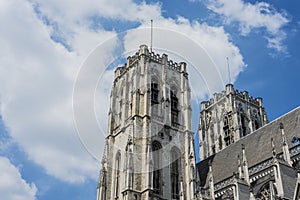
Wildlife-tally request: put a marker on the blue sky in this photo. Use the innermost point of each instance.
(46, 44)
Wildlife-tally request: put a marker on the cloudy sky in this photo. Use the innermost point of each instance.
(56, 68)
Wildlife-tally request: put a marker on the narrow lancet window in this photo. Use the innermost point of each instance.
(154, 93)
(156, 148)
(174, 109)
(243, 125)
(228, 137)
(175, 174)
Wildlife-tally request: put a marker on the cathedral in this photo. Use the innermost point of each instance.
(149, 148)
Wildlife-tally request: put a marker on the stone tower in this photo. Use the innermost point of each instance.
(149, 149)
(226, 118)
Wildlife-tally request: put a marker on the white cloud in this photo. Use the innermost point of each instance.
(67, 15)
(12, 185)
(37, 74)
(73, 10)
(251, 16)
(203, 47)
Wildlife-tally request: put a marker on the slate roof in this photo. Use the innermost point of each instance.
(257, 147)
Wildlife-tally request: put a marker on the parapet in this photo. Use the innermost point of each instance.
(229, 89)
(151, 56)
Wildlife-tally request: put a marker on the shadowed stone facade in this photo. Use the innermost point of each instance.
(149, 150)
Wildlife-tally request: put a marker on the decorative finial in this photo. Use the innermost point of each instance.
(272, 143)
(273, 147)
(239, 160)
(235, 175)
(285, 146)
(243, 147)
(281, 125)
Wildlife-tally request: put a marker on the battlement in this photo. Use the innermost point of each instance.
(242, 95)
(151, 57)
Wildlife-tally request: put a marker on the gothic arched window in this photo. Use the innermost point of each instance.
(174, 101)
(157, 176)
(228, 137)
(243, 124)
(175, 173)
(117, 174)
(174, 108)
(266, 192)
(154, 92)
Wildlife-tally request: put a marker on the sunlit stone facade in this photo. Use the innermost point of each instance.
(149, 152)
(149, 149)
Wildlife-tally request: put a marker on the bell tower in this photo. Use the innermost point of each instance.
(227, 117)
(149, 149)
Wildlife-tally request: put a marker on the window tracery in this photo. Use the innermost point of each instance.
(154, 93)
(266, 192)
(228, 135)
(174, 108)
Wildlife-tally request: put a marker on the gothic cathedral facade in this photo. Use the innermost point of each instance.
(149, 149)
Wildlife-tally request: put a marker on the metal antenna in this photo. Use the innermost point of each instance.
(229, 78)
(151, 41)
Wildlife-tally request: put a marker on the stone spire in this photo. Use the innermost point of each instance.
(245, 165)
(240, 171)
(251, 195)
(192, 170)
(211, 182)
(285, 147)
(273, 148)
(276, 167)
(102, 185)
